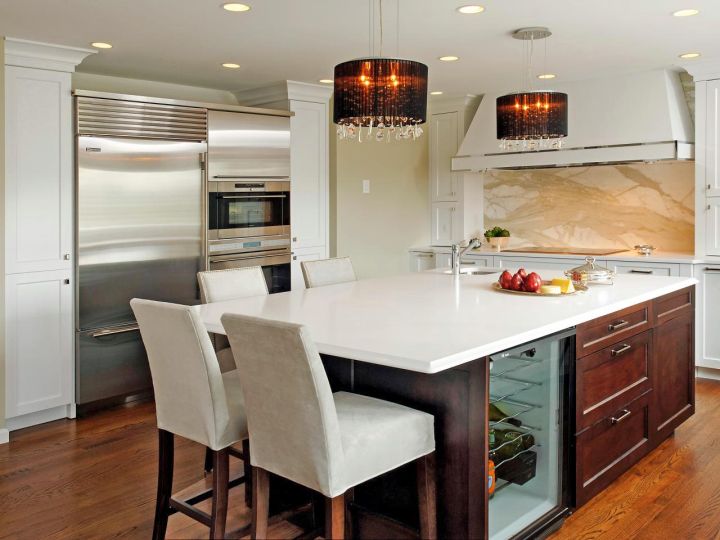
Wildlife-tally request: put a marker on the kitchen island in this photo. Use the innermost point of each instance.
(425, 340)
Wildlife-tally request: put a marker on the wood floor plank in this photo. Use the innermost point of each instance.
(95, 478)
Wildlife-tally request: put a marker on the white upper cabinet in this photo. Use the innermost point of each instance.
(445, 223)
(444, 141)
(712, 143)
(309, 174)
(38, 170)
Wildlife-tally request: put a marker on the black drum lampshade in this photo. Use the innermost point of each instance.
(532, 119)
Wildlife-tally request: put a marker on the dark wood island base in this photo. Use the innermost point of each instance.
(634, 384)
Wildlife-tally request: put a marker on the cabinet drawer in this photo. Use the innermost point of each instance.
(610, 447)
(604, 331)
(611, 377)
(674, 305)
(651, 269)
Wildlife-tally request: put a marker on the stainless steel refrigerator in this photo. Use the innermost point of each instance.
(140, 192)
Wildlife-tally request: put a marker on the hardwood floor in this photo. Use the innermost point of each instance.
(95, 478)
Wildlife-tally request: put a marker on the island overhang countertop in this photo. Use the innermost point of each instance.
(429, 322)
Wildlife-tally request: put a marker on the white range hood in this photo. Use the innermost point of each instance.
(638, 117)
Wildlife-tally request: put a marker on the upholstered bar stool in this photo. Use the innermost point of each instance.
(194, 400)
(328, 442)
(327, 271)
(221, 285)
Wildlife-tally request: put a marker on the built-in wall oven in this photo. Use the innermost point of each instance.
(248, 196)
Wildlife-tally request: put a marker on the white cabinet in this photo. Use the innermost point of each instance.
(445, 223)
(712, 138)
(642, 268)
(480, 260)
(300, 255)
(38, 170)
(708, 316)
(444, 143)
(309, 174)
(712, 226)
(455, 196)
(39, 173)
(421, 261)
(534, 264)
(39, 341)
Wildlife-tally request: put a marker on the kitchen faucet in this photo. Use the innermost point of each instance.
(457, 254)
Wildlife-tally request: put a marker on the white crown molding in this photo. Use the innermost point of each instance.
(284, 91)
(33, 54)
(703, 70)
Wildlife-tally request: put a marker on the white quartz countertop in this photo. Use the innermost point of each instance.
(625, 256)
(429, 322)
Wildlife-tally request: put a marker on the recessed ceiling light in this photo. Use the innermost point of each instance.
(235, 7)
(688, 55)
(448, 58)
(230, 65)
(546, 76)
(686, 13)
(436, 93)
(101, 45)
(470, 10)
(326, 81)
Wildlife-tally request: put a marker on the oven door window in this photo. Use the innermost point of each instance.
(246, 212)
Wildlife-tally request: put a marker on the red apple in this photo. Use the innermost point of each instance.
(533, 282)
(505, 279)
(516, 284)
(523, 273)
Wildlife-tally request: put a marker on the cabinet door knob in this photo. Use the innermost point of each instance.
(294, 257)
(66, 257)
(294, 238)
(66, 281)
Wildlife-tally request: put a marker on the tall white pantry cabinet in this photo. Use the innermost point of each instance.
(39, 254)
(309, 165)
(707, 210)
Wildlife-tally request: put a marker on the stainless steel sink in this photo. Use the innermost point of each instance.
(474, 271)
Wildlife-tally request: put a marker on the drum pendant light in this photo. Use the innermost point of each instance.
(380, 97)
(532, 119)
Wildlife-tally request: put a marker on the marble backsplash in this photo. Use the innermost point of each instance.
(606, 206)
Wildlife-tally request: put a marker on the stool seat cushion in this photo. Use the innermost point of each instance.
(378, 436)
(226, 360)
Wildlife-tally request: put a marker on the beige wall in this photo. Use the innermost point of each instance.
(138, 87)
(376, 229)
(2, 236)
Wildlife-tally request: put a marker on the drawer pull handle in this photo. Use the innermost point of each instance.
(617, 352)
(636, 271)
(620, 418)
(617, 325)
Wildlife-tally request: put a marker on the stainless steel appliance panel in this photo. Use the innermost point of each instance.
(275, 264)
(242, 145)
(109, 365)
(139, 208)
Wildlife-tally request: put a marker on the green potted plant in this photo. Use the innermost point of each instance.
(497, 237)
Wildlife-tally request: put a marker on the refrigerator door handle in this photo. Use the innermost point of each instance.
(115, 330)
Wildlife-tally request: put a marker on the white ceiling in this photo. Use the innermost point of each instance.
(185, 41)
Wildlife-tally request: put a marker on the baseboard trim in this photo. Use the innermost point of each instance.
(708, 373)
(40, 417)
(4, 436)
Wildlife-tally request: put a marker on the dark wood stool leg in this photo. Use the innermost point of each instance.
(165, 480)
(426, 496)
(208, 461)
(335, 517)
(221, 477)
(247, 472)
(349, 498)
(260, 503)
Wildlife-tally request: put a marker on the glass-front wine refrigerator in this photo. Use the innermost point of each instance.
(529, 436)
